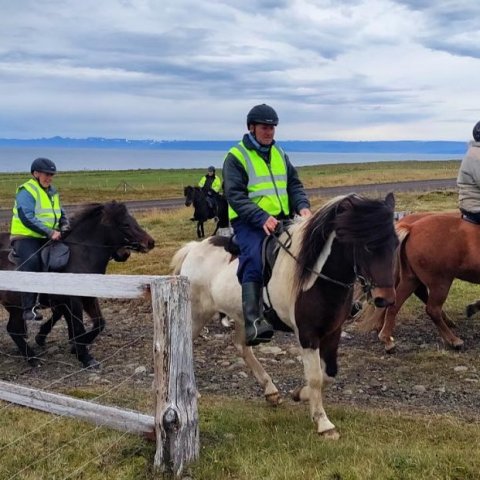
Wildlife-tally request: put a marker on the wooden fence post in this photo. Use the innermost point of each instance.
(176, 415)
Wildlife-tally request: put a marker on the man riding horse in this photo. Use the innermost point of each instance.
(38, 218)
(261, 187)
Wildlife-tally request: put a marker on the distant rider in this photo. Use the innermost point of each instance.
(468, 180)
(211, 186)
(37, 218)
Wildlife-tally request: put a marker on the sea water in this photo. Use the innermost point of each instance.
(19, 159)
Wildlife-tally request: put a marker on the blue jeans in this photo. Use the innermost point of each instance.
(249, 240)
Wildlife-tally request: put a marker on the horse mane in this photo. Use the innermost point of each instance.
(354, 219)
(91, 211)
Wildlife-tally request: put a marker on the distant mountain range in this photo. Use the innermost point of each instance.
(403, 146)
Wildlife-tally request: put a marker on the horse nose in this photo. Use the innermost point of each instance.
(151, 243)
(384, 297)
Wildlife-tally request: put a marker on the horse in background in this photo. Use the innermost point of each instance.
(202, 211)
(310, 288)
(434, 250)
(98, 233)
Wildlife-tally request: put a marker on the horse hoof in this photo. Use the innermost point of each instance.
(458, 345)
(273, 399)
(34, 362)
(390, 349)
(40, 340)
(297, 395)
(470, 310)
(91, 364)
(331, 434)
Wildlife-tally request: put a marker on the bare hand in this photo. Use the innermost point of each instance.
(56, 235)
(270, 225)
(305, 212)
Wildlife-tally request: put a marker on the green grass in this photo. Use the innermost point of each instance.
(87, 186)
(249, 441)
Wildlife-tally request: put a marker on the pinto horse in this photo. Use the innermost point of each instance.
(98, 232)
(201, 210)
(310, 287)
(434, 250)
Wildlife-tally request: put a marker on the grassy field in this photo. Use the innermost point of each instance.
(87, 186)
(246, 440)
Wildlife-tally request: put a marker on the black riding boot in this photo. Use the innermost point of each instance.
(29, 303)
(257, 329)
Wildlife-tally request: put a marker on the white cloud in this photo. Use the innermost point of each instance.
(351, 69)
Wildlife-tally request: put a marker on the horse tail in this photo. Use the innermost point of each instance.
(179, 257)
(403, 231)
(370, 318)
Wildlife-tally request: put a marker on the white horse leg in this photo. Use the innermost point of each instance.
(302, 394)
(314, 377)
(270, 391)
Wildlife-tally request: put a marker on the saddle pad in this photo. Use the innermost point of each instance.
(55, 256)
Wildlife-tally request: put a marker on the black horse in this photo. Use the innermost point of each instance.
(99, 232)
(203, 211)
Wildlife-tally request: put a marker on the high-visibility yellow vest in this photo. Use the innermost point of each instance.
(267, 183)
(47, 210)
(216, 184)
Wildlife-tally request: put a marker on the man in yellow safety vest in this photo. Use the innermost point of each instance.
(261, 187)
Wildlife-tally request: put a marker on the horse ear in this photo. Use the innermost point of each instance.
(390, 200)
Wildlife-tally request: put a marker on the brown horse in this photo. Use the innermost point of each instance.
(310, 288)
(434, 250)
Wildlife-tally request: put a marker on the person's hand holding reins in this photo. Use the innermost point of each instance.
(270, 225)
(56, 235)
(305, 212)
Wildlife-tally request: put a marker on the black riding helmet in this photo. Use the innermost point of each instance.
(211, 168)
(263, 114)
(476, 132)
(44, 165)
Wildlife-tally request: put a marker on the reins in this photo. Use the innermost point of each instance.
(286, 248)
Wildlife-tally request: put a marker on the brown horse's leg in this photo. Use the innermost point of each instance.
(436, 299)
(405, 288)
(422, 293)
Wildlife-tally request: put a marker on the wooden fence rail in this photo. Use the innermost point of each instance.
(175, 424)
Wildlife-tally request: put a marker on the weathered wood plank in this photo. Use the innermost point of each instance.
(79, 284)
(118, 419)
(176, 415)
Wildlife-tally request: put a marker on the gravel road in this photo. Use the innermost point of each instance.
(169, 203)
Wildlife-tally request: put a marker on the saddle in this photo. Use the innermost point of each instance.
(54, 256)
(270, 248)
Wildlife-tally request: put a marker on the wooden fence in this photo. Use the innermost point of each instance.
(175, 423)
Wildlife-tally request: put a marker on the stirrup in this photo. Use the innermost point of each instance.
(262, 333)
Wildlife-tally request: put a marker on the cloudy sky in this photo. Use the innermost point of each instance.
(190, 69)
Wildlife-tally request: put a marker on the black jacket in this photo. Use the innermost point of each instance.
(235, 180)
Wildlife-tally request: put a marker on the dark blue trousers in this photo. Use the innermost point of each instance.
(249, 239)
(27, 251)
